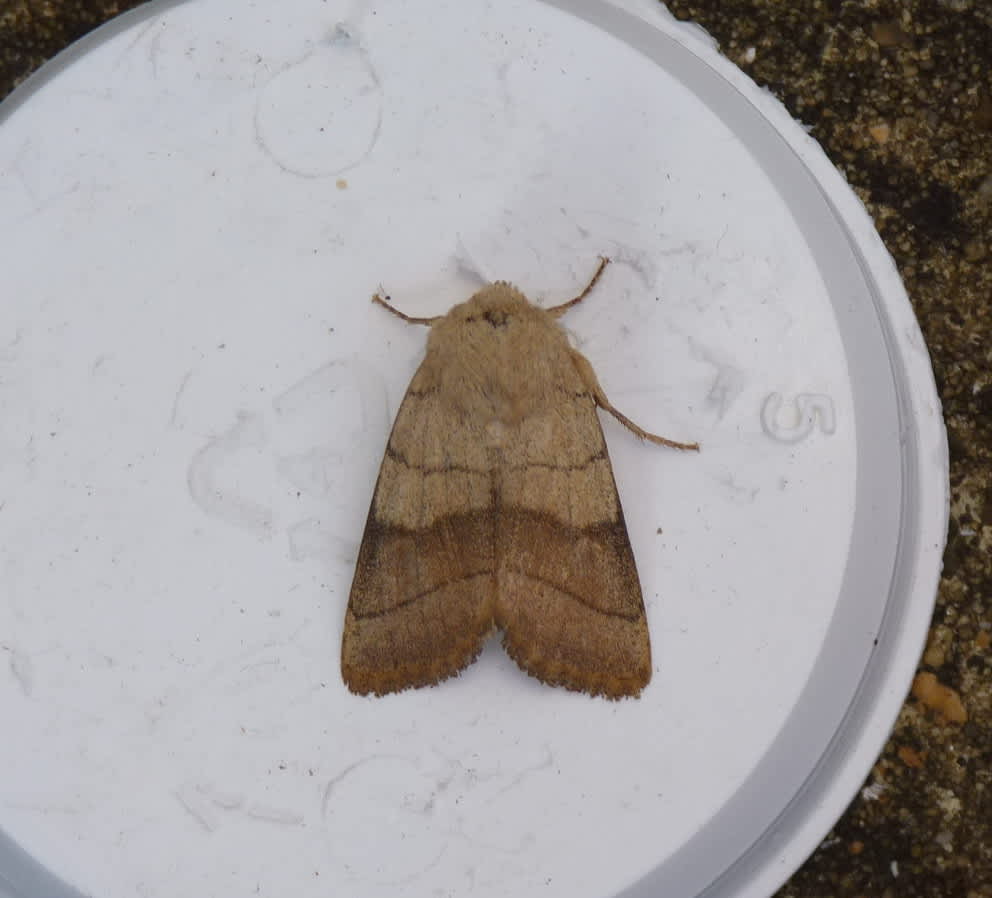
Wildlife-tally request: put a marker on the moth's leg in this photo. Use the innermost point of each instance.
(558, 311)
(588, 376)
(384, 302)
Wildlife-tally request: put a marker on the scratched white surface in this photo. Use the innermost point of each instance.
(196, 392)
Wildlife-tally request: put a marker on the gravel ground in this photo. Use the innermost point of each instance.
(900, 96)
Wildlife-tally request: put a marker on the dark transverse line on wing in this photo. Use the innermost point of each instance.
(486, 573)
(399, 458)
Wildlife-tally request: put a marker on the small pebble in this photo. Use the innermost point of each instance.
(880, 133)
(889, 34)
(934, 695)
(910, 756)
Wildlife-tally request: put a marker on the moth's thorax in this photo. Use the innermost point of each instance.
(499, 356)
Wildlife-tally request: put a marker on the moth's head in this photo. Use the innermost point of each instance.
(494, 304)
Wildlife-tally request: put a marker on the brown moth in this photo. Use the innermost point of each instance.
(496, 508)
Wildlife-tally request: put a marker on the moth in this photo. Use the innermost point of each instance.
(496, 508)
